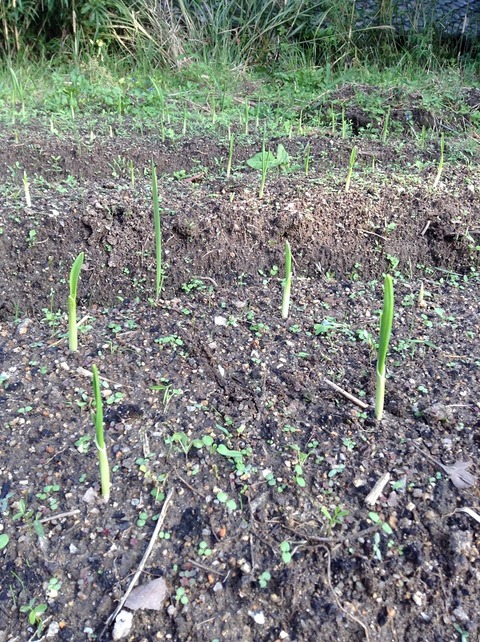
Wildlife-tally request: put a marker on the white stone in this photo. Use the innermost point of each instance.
(123, 625)
(257, 616)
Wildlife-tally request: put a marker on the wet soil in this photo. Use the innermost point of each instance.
(219, 408)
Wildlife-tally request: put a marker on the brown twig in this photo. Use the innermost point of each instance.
(59, 516)
(347, 395)
(144, 559)
(335, 596)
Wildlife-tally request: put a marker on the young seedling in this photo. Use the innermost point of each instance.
(230, 154)
(158, 234)
(265, 159)
(440, 162)
(386, 125)
(72, 303)
(353, 157)
(307, 159)
(99, 438)
(287, 282)
(26, 188)
(386, 319)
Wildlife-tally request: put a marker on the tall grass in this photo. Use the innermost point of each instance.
(173, 32)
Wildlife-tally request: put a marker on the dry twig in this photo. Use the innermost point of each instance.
(141, 566)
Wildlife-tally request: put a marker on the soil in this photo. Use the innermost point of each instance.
(211, 367)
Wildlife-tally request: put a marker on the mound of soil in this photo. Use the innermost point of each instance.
(221, 411)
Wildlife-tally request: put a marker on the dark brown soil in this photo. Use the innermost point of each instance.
(213, 360)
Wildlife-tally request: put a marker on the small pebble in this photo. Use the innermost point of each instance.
(257, 616)
(123, 625)
(53, 630)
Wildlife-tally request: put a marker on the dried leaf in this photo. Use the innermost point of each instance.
(148, 597)
(459, 474)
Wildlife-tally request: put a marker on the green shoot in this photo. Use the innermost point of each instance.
(132, 173)
(386, 319)
(353, 157)
(344, 124)
(184, 125)
(26, 187)
(72, 303)
(287, 282)
(99, 438)
(307, 159)
(440, 162)
(385, 126)
(247, 116)
(230, 154)
(158, 234)
(265, 158)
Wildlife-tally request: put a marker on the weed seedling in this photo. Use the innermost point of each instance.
(286, 552)
(72, 303)
(386, 319)
(99, 437)
(34, 614)
(4, 539)
(264, 579)
(353, 158)
(287, 282)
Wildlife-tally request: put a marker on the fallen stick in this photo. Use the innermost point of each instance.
(141, 566)
(347, 395)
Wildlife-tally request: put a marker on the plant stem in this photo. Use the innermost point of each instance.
(230, 154)
(353, 156)
(264, 167)
(386, 320)
(72, 303)
(307, 159)
(99, 437)
(158, 234)
(440, 162)
(287, 283)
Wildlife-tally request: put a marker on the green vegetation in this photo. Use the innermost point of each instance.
(386, 320)
(287, 281)
(72, 303)
(158, 234)
(99, 437)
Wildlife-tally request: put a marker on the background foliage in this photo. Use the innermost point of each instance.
(170, 32)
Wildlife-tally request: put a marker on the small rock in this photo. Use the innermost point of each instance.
(73, 549)
(89, 496)
(52, 630)
(220, 320)
(417, 597)
(22, 327)
(461, 615)
(257, 616)
(123, 625)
